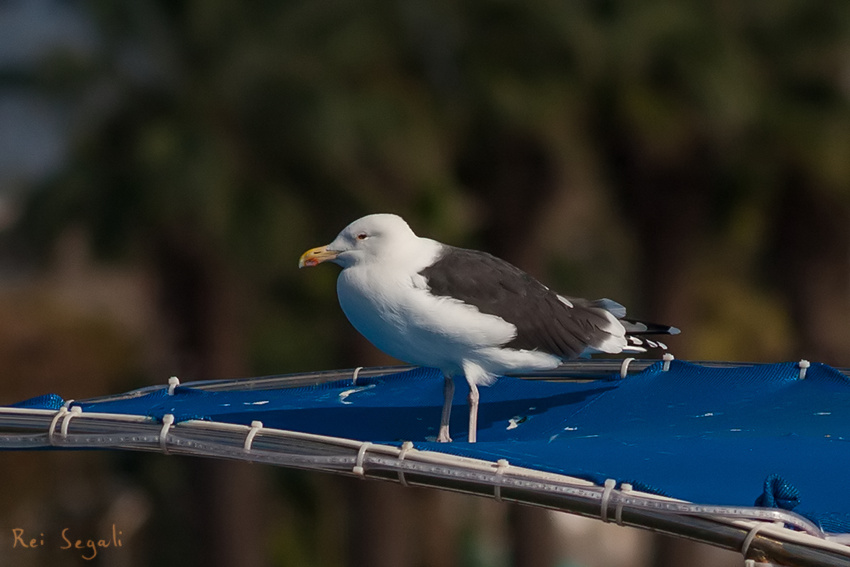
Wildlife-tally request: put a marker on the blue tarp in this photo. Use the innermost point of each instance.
(725, 436)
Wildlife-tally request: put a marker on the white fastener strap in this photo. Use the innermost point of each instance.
(618, 514)
(74, 412)
(667, 358)
(501, 466)
(624, 368)
(167, 422)
(748, 541)
(803, 365)
(405, 447)
(249, 439)
(361, 456)
(59, 415)
(606, 497)
(356, 374)
(173, 382)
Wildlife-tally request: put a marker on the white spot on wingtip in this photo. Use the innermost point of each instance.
(565, 301)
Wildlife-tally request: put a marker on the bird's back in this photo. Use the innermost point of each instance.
(544, 320)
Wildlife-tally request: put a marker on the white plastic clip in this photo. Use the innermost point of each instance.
(361, 455)
(624, 368)
(173, 382)
(501, 466)
(59, 415)
(748, 541)
(803, 365)
(356, 374)
(167, 422)
(667, 358)
(249, 439)
(618, 513)
(74, 412)
(405, 447)
(606, 497)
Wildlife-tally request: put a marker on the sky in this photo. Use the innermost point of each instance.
(34, 130)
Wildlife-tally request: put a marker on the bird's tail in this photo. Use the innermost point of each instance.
(633, 326)
(635, 329)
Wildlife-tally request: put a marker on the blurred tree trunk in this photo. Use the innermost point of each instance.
(513, 178)
(812, 268)
(381, 524)
(666, 201)
(533, 535)
(671, 551)
(203, 302)
(391, 525)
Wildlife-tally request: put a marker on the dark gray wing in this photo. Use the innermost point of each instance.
(495, 287)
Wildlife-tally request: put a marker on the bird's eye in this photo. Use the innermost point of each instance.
(362, 236)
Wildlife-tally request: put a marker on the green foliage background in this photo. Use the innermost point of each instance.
(691, 160)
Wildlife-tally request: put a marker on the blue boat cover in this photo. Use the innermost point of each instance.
(742, 436)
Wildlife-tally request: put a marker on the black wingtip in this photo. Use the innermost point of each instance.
(636, 327)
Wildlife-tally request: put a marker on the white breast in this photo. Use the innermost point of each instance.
(395, 311)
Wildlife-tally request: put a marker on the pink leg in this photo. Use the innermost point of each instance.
(448, 394)
(473, 412)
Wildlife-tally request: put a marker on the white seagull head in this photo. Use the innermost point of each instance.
(373, 238)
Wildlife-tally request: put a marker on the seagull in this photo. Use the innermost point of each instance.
(465, 312)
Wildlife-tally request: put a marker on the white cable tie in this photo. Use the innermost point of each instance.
(249, 439)
(745, 548)
(624, 368)
(803, 365)
(74, 412)
(167, 422)
(173, 382)
(618, 514)
(501, 466)
(606, 497)
(361, 455)
(59, 415)
(667, 358)
(67, 405)
(405, 447)
(356, 374)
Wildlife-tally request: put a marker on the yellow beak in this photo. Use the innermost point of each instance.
(315, 256)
